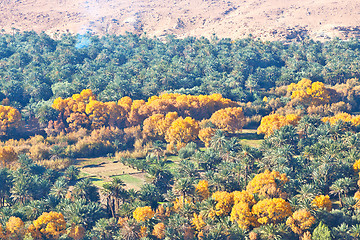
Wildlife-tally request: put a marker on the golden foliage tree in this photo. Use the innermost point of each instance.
(202, 188)
(7, 156)
(9, 118)
(275, 121)
(271, 210)
(300, 221)
(48, 226)
(159, 230)
(206, 134)
(180, 202)
(15, 228)
(141, 214)
(309, 93)
(182, 131)
(345, 117)
(241, 214)
(322, 202)
(267, 184)
(2, 234)
(356, 166)
(77, 232)
(243, 196)
(224, 203)
(229, 119)
(199, 107)
(198, 222)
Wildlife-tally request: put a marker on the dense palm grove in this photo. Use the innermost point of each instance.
(144, 101)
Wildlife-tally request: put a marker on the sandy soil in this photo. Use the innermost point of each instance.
(266, 19)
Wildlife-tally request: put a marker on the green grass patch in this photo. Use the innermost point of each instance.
(174, 158)
(129, 179)
(252, 143)
(99, 182)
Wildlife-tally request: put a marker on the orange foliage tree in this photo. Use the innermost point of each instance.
(198, 222)
(224, 203)
(7, 156)
(182, 131)
(322, 202)
(202, 189)
(275, 121)
(309, 93)
(267, 184)
(229, 119)
(271, 210)
(15, 228)
(241, 213)
(48, 226)
(142, 214)
(206, 134)
(300, 221)
(345, 117)
(2, 234)
(159, 230)
(9, 118)
(77, 232)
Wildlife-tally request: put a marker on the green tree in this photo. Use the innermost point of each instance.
(321, 232)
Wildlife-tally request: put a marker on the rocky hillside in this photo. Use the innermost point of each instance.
(266, 19)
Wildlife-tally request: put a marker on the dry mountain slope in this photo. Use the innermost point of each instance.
(267, 19)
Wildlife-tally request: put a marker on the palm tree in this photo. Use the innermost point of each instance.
(355, 231)
(307, 191)
(85, 189)
(272, 231)
(337, 188)
(184, 186)
(5, 186)
(21, 190)
(60, 188)
(71, 173)
(219, 141)
(115, 193)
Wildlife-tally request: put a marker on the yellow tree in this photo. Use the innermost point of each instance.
(267, 184)
(345, 117)
(15, 228)
(141, 214)
(309, 93)
(275, 121)
(2, 234)
(198, 222)
(7, 156)
(202, 189)
(159, 230)
(300, 221)
(224, 203)
(229, 119)
(48, 226)
(77, 232)
(182, 131)
(151, 126)
(322, 202)
(243, 196)
(9, 118)
(241, 212)
(271, 210)
(206, 134)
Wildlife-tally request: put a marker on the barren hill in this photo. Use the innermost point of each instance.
(266, 19)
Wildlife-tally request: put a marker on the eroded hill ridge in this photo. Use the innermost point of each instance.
(265, 19)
